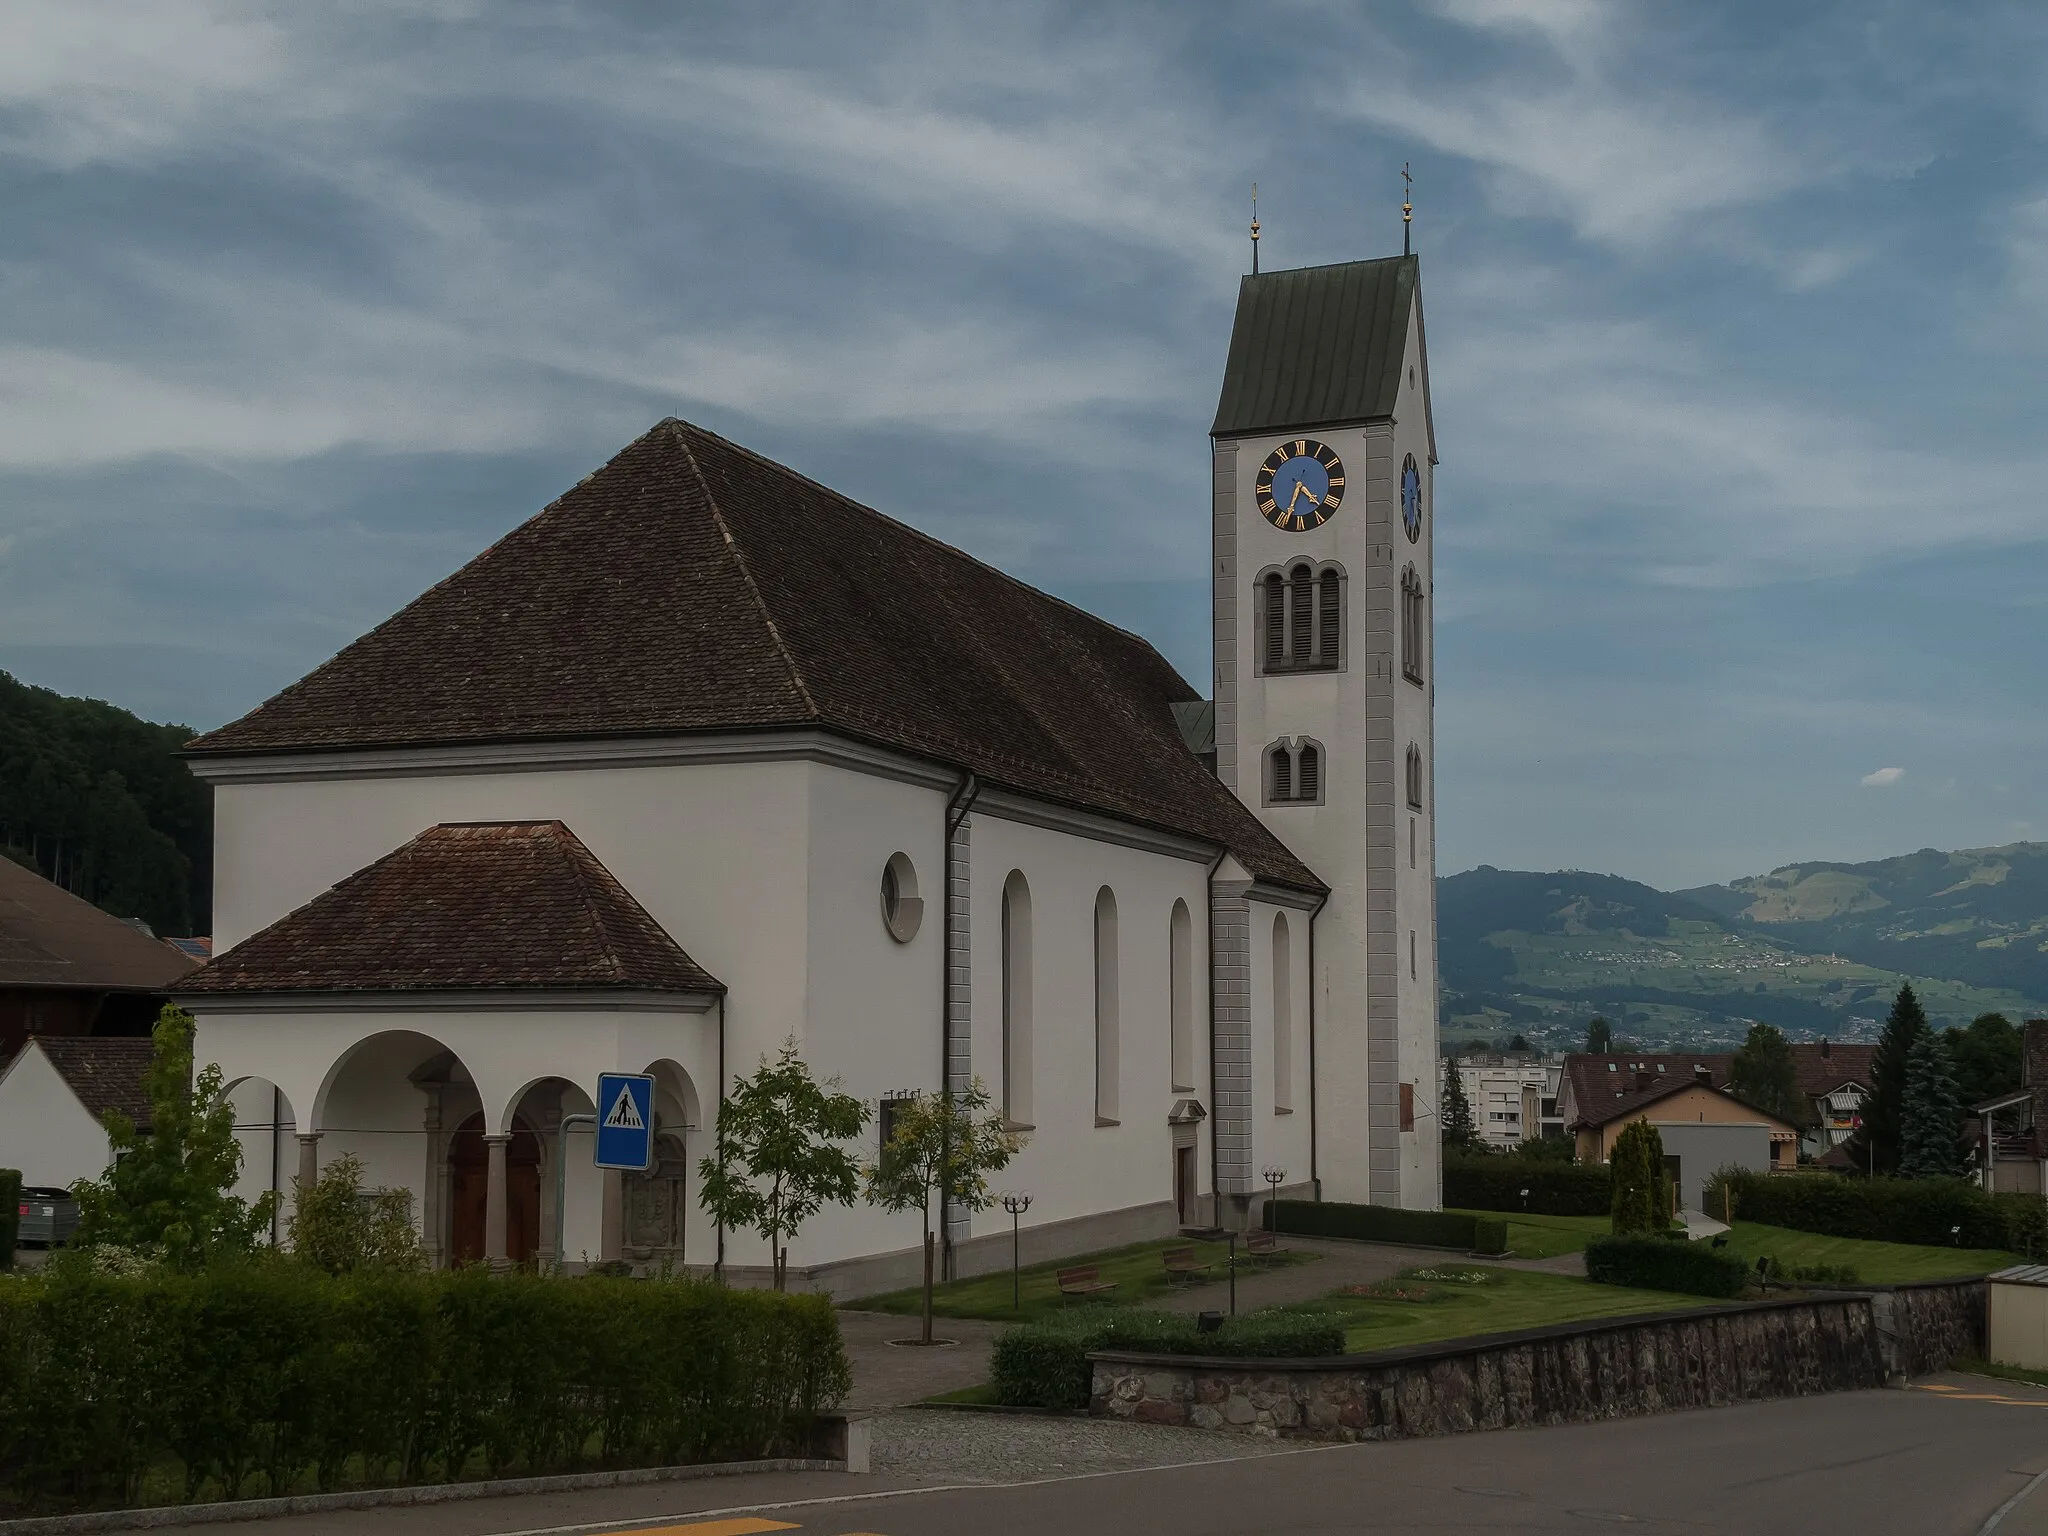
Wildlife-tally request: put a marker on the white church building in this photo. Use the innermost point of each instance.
(706, 757)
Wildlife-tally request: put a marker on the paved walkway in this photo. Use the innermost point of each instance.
(887, 1375)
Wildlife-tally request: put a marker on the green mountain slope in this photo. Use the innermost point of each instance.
(98, 800)
(1536, 954)
(1979, 915)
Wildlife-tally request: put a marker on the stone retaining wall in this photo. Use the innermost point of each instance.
(1612, 1368)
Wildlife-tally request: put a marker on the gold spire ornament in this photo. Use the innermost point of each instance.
(1255, 229)
(1407, 208)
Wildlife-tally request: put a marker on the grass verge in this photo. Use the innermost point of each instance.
(1545, 1237)
(1138, 1272)
(1874, 1263)
(1426, 1306)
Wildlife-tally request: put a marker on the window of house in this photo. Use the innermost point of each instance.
(1414, 625)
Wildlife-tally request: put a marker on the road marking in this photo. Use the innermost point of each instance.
(742, 1527)
(1957, 1395)
(1999, 1514)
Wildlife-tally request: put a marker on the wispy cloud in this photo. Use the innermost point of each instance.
(1883, 778)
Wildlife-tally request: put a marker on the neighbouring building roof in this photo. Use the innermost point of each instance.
(1606, 1077)
(498, 906)
(1607, 1111)
(1317, 346)
(105, 1071)
(51, 938)
(1825, 1066)
(198, 948)
(691, 585)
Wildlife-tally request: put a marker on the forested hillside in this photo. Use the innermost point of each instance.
(1536, 953)
(98, 801)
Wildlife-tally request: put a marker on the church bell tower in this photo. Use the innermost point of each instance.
(1324, 457)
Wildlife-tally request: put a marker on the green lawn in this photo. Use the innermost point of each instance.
(1504, 1299)
(1138, 1272)
(1875, 1263)
(1545, 1237)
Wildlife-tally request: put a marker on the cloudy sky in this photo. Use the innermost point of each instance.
(1737, 321)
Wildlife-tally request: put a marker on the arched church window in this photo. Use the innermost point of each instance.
(1016, 998)
(1108, 1012)
(1283, 1016)
(1181, 1002)
(1294, 773)
(1280, 772)
(902, 909)
(1414, 625)
(1300, 618)
(1308, 774)
(1414, 776)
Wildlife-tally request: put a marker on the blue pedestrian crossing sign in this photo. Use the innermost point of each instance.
(625, 1121)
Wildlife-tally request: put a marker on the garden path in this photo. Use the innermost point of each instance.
(887, 1375)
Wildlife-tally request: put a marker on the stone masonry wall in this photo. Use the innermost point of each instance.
(1619, 1368)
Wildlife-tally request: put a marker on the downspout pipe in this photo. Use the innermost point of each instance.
(718, 1140)
(1315, 1177)
(957, 807)
(1215, 1158)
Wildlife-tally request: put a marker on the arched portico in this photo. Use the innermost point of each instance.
(266, 1129)
(657, 1219)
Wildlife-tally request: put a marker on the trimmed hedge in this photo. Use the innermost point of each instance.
(1555, 1189)
(1380, 1223)
(1489, 1236)
(10, 1215)
(1045, 1364)
(273, 1377)
(1660, 1264)
(1893, 1210)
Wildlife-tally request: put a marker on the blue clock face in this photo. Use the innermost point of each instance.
(1411, 499)
(1300, 485)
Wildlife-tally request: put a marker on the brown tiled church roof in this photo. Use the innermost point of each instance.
(503, 906)
(51, 938)
(691, 585)
(105, 1071)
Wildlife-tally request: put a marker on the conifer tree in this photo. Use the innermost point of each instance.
(1877, 1145)
(1762, 1072)
(1932, 1121)
(1599, 1036)
(1460, 1134)
(1642, 1194)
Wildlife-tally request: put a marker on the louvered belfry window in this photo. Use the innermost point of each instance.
(1301, 620)
(1415, 777)
(1294, 773)
(1414, 625)
(1308, 774)
(1283, 773)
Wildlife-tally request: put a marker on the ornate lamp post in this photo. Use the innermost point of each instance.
(1016, 1202)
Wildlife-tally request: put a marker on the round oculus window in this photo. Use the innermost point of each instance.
(902, 909)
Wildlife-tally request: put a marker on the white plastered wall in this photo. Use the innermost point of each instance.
(1280, 1140)
(1072, 1166)
(45, 1131)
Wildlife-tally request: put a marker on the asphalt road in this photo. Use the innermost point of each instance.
(1941, 1458)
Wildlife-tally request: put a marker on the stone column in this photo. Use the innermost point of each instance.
(309, 1159)
(494, 1203)
(550, 1153)
(433, 1198)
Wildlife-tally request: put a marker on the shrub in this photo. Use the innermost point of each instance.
(1642, 1193)
(274, 1377)
(1375, 1223)
(1948, 1213)
(338, 1226)
(1045, 1364)
(1806, 1274)
(1555, 1189)
(10, 1215)
(1653, 1264)
(1489, 1235)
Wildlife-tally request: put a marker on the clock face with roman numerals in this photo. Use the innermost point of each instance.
(1300, 485)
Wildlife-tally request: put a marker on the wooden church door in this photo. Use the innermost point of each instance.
(468, 1190)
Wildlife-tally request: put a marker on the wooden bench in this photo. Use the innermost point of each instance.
(1082, 1280)
(1182, 1267)
(1263, 1248)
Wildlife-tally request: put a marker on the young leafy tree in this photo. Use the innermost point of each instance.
(1877, 1146)
(941, 1151)
(1762, 1072)
(167, 1190)
(1642, 1194)
(335, 1226)
(1599, 1036)
(1986, 1057)
(778, 1158)
(1932, 1124)
(1459, 1133)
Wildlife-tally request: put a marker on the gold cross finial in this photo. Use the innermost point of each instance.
(1407, 206)
(1255, 229)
